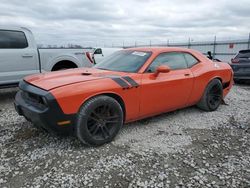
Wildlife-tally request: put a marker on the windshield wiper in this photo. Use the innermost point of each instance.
(102, 68)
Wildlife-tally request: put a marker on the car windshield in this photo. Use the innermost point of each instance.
(124, 61)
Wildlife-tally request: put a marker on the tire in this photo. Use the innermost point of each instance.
(99, 120)
(238, 81)
(61, 69)
(212, 96)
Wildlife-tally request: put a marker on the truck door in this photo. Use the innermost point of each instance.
(18, 58)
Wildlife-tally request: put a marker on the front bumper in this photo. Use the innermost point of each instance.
(45, 113)
(241, 77)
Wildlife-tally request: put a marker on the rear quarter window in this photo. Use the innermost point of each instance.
(12, 39)
(191, 60)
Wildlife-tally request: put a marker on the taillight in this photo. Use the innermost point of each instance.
(235, 61)
(88, 55)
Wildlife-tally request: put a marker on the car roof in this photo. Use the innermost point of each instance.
(15, 28)
(162, 49)
(157, 50)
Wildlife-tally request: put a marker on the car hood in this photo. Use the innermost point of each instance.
(52, 80)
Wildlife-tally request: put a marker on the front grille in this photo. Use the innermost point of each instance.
(33, 99)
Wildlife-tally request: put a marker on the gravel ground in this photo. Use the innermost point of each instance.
(185, 148)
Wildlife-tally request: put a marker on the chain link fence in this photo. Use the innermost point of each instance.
(223, 50)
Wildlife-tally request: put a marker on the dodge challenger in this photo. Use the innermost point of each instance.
(132, 84)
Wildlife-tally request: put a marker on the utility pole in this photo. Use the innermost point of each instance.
(150, 43)
(168, 43)
(214, 47)
(189, 40)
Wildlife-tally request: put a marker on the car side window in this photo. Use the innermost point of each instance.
(191, 60)
(12, 39)
(175, 60)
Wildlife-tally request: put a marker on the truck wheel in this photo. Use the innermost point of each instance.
(99, 120)
(212, 96)
(63, 65)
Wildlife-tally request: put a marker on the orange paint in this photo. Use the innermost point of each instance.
(155, 94)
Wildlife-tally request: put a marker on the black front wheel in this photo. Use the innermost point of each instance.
(99, 120)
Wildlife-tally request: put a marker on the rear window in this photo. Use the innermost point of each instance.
(243, 55)
(191, 60)
(12, 39)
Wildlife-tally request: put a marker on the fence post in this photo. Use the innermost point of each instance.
(214, 47)
(189, 40)
(248, 46)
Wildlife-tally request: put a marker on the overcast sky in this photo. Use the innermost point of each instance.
(99, 22)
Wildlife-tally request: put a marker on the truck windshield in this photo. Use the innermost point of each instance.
(124, 61)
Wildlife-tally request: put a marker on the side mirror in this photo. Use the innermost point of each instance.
(162, 69)
(98, 51)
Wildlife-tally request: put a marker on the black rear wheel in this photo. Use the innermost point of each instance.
(212, 96)
(99, 120)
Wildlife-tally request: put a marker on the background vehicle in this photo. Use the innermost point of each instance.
(100, 53)
(129, 85)
(19, 56)
(241, 65)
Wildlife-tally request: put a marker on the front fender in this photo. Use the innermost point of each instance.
(71, 97)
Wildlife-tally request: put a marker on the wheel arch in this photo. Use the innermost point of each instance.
(204, 103)
(217, 77)
(212, 78)
(52, 62)
(64, 64)
(113, 95)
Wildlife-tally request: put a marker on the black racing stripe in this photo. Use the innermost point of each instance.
(121, 82)
(130, 81)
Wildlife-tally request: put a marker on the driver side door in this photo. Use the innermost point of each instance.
(166, 91)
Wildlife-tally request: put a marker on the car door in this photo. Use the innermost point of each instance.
(17, 58)
(167, 91)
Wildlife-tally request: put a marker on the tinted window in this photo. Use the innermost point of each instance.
(124, 61)
(191, 60)
(98, 51)
(243, 55)
(174, 60)
(12, 39)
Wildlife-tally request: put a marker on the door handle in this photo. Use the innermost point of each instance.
(27, 55)
(187, 74)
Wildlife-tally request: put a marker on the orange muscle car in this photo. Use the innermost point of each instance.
(94, 103)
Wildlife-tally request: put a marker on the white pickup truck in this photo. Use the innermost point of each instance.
(19, 56)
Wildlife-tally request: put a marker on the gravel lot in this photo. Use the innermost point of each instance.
(185, 148)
